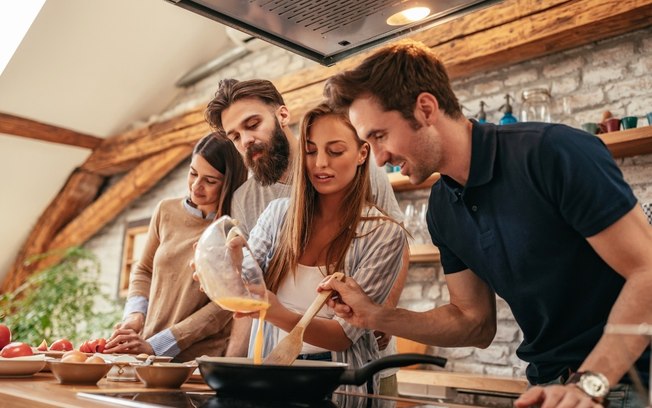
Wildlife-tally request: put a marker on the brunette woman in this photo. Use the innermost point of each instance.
(166, 314)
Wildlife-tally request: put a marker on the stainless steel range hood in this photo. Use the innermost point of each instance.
(326, 31)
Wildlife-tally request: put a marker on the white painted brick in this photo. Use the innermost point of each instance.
(587, 98)
(643, 66)
(433, 292)
(629, 88)
(640, 106)
(613, 56)
(499, 371)
(522, 78)
(563, 68)
(602, 75)
(494, 354)
(454, 353)
(641, 174)
(417, 305)
(412, 292)
(506, 332)
(564, 85)
(463, 367)
(488, 87)
(422, 273)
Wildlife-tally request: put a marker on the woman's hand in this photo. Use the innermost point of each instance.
(127, 341)
(134, 321)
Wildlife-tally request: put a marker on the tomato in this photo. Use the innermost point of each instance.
(61, 345)
(43, 346)
(85, 347)
(16, 349)
(101, 345)
(93, 346)
(5, 335)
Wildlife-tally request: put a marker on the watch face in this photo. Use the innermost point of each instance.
(593, 385)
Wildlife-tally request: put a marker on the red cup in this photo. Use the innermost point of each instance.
(611, 125)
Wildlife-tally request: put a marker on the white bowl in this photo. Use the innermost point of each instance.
(21, 366)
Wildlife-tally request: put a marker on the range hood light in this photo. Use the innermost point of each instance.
(408, 16)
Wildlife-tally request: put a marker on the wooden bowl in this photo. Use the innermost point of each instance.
(164, 375)
(79, 373)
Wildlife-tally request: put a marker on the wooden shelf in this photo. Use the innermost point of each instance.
(630, 142)
(424, 253)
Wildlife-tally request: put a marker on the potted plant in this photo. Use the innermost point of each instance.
(64, 300)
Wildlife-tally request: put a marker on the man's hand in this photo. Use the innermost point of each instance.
(351, 303)
(134, 321)
(127, 341)
(555, 396)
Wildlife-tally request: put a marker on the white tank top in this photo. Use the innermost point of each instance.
(298, 292)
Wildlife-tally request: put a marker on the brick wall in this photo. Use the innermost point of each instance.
(612, 74)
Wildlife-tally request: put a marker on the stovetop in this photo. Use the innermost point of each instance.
(210, 400)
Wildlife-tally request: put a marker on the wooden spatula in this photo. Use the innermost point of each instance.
(289, 348)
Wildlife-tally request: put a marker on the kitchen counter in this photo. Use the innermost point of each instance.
(43, 390)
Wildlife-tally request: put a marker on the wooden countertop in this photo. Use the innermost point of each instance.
(43, 390)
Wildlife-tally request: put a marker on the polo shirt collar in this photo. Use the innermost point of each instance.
(483, 157)
(483, 154)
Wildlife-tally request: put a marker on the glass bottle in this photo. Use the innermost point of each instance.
(536, 105)
(507, 109)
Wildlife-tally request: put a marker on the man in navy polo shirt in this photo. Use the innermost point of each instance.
(536, 213)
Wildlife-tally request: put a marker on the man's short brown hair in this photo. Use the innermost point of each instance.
(231, 90)
(394, 76)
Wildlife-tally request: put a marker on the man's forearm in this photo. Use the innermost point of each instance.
(239, 340)
(444, 326)
(616, 353)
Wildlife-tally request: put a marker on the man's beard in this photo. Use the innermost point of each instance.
(273, 160)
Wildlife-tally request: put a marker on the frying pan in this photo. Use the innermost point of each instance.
(304, 380)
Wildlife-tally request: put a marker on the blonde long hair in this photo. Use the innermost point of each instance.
(303, 201)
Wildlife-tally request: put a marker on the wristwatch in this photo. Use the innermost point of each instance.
(593, 384)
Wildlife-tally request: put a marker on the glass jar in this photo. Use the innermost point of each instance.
(536, 105)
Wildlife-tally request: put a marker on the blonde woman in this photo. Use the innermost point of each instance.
(327, 225)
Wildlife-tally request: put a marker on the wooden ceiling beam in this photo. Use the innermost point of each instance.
(23, 127)
(122, 152)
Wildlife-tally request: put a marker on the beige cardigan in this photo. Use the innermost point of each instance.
(163, 276)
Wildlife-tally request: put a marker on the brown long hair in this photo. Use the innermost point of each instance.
(303, 201)
(394, 76)
(222, 155)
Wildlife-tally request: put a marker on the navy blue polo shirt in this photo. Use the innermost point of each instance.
(535, 192)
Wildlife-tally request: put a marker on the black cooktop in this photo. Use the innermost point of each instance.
(210, 400)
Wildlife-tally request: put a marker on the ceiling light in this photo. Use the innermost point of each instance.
(408, 16)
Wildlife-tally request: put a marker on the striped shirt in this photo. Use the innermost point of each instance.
(373, 260)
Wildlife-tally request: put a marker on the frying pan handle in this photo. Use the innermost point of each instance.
(364, 373)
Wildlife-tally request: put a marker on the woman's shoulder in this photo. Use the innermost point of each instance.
(170, 204)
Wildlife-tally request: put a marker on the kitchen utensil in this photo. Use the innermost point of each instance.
(223, 277)
(305, 380)
(287, 350)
